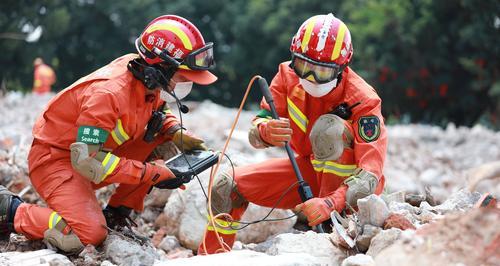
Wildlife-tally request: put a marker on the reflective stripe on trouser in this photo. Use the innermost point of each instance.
(225, 231)
(70, 196)
(332, 167)
(56, 221)
(223, 227)
(263, 184)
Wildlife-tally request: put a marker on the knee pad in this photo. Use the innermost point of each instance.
(225, 194)
(329, 136)
(66, 242)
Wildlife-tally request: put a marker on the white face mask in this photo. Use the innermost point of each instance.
(318, 90)
(181, 89)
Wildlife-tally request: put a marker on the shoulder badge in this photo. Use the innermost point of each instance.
(369, 128)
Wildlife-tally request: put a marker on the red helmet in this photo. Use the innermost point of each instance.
(323, 38)
(177, 39)
(321, 49)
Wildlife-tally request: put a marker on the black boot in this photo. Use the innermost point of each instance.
(118, 217)
(8, 206)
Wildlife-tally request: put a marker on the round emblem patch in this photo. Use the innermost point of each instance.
(369, 128)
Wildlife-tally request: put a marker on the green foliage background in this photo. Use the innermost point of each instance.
(431, 61)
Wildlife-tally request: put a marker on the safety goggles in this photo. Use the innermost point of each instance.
(321, 72)
(201, 59)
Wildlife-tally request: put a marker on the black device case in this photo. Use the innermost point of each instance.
(186, 165)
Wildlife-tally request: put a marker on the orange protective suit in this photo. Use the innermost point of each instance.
(43, 79)
(110, 99)
(264, 183)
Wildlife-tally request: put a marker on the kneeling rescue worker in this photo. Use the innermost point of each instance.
(332, 119)
(92, 134)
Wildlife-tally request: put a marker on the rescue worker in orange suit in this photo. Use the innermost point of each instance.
(44, 77)
(332, 119)
(92, 134)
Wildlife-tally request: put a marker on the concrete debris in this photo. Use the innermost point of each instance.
(372, 210)
(169, 243)
(363, 241)
(382, 240)
(126, 252)
(39, 257)
(319, 246)
(359, 260)
(419, 157)
(90, 255)
(398, 196)
(489, 172)
(248, 258)
(185, 216)
(461, 200)
(396, 220)
(458, 239)
(107, 263)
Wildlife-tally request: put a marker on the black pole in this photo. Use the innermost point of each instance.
(305, 191)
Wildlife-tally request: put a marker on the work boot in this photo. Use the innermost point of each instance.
(8, 206)
(118, 218)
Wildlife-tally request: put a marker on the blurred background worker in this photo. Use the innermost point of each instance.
(97, 132)
(333, 121)
(44, 77)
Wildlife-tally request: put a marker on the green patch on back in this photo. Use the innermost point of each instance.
(91, 135)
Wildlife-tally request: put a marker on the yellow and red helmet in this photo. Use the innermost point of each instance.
(172, 39)
(321, 47)
(324, 38)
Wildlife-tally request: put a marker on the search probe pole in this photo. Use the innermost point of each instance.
(305, 191)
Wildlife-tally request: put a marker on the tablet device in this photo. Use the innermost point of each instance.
(186, 165)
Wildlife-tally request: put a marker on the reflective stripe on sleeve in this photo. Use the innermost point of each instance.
(297, 116)
(119, 135)
(333, 167)
(109, 163)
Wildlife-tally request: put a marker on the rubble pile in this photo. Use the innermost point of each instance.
(417, 222)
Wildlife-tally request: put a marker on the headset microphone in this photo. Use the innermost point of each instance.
(184, 109)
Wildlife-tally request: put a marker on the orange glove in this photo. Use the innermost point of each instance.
(317, 210)
(275, 132)
(155, 172)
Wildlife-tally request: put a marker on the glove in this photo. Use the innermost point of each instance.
(156, 172)
(187, 141)
(317, 210)
(275, 132)
(361, 184)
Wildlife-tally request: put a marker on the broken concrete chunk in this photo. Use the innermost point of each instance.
(382, 240)
(396, 220)
(317, 245)
(359, 260)
(461, 200)
(250, 258)
(372, 210)
(127, 252)
(43, 256)
(169, 243)
(363, 241)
